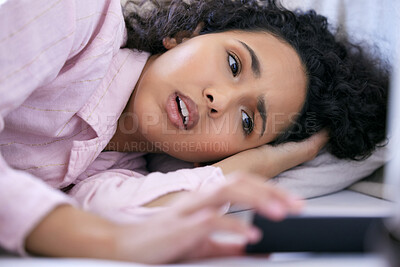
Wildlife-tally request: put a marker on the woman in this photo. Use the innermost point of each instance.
(72, 81)
(334, 84)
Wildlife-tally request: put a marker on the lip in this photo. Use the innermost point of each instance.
(174, 115)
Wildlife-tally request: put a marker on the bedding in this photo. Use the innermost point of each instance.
(323, 175)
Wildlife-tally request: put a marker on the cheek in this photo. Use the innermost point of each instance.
(175, 61)
(187, 65)
(148, 112)
(221, 137)
(209, 144)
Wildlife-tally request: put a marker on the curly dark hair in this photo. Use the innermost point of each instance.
(347, 88)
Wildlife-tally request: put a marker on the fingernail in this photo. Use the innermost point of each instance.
(275, 210)
(254, 234)
(294, 200)
(295, 203)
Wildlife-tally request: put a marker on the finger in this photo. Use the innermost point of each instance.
(240, 232)
(191, 232)
(252, 188)
(209, 220)
(293, 203)
(217, 249)
(279, 204)
(245, 189)
(269, 200)
(186, 232)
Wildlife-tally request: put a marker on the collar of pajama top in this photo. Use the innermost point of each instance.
(63, 126)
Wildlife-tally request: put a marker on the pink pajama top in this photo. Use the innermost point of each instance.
(64, 81)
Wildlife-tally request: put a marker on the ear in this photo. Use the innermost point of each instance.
(181, 37)
(169, 42)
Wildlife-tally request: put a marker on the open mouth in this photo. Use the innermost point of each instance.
(182, 111)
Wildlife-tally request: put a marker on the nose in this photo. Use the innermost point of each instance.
(218, 101)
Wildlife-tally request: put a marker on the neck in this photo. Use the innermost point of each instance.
(128, 137)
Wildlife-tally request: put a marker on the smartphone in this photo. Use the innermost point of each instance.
(315, 234)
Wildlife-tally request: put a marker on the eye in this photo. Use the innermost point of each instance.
(234, 64)
(247, 123)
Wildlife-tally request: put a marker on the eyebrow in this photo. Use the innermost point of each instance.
(261, 107)
(255, 63)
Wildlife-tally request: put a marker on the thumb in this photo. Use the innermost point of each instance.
(212, 249)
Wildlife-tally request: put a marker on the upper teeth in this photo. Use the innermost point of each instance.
(184, 111)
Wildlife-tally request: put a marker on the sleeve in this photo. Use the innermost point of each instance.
(119, 195)
(36, 39)
(327, 174)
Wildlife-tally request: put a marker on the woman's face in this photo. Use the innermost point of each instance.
(217, 94)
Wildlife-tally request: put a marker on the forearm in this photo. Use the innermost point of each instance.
(269, 161)
(254, 162)
(70, 232)
(265, 161)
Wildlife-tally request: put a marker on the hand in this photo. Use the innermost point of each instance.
(268, 161)
(181, 232)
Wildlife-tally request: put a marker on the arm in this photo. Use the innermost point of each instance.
(32, 53)
(86, 235)
(36, 39)
(268, 161)
(119, 196)
(122, 196)
(297, 167)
